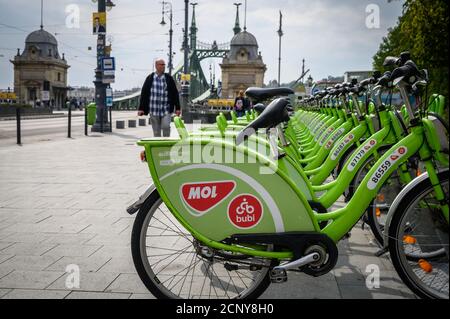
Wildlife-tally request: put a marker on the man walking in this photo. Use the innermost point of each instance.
(160, 99)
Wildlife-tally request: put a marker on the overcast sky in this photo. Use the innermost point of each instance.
(331, 35)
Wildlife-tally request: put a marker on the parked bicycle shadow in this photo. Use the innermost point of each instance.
(362, 275)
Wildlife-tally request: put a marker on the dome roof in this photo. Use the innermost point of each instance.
(244, 38)
(41, 36)
(44, 42)
(244, 42)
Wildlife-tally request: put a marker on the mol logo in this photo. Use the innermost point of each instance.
(203, 196)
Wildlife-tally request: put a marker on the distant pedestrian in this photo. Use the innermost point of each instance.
(241, 104)
(160, 99)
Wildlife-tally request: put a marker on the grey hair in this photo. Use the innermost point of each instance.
(159, 60)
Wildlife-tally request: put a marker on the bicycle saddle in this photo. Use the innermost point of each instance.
(259, 108)
(397, 61)
(385, 80)
(358, 89)
(366, 82)
(267, 93)
(274, 114)
(408, 71)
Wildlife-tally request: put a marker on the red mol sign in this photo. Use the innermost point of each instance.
(204, 196)
(245, 211)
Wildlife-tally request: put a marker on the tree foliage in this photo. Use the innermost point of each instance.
(423, 31)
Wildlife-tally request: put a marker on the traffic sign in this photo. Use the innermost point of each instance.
(45, 95)
(108, 63)
(108, 79)
(109, 101)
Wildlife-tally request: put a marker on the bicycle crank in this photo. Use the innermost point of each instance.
(279, 273)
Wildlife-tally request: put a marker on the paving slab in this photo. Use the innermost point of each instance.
(68, 208)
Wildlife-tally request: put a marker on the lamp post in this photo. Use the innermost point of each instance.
(280, 34)
(185, 88)
(163, 23)
(101, 122)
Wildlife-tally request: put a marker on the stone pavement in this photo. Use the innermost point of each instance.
(62, 203)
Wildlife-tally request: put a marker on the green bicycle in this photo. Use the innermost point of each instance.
(223, 221)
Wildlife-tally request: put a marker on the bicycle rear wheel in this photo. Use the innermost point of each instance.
(172, 264)
(418, 229)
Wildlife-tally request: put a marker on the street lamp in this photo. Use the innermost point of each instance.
(167, 9)
(101, 122)
(310, 81)
(109, 5)
(280, 34)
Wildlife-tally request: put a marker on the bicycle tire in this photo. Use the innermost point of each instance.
(400, 260)
(148, 276)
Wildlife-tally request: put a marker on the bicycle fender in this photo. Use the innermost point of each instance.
(132, 209)
(397, 201)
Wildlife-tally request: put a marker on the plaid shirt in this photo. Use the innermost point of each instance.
(159, 100)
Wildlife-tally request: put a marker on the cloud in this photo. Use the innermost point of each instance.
(330, 35)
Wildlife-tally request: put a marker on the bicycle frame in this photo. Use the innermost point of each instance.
(303, 218)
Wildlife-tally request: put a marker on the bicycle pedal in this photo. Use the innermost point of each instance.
(231, 267)
(278, 276)
(381, 252)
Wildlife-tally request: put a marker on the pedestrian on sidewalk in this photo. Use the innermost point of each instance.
(241, 104)
(160, 99)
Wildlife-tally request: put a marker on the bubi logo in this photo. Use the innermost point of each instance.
(400, 151)
(204, 196)
(371, 144)
(385, 167)
(245, 211)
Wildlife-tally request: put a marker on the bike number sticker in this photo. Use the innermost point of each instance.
(327, 135)
(245, 211)
(334, 138)
(322, 130)
(203, 196)
(360, 154)
(383, 168)
(341, 146)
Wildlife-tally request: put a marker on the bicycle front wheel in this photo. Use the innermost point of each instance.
(419, 229)
(172, 264)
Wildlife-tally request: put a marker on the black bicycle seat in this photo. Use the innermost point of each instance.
(261, 94)
(274, 114)
(259, 108)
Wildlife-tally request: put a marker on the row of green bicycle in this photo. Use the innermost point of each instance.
(237, 205)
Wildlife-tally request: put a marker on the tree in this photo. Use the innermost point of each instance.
(423, 31)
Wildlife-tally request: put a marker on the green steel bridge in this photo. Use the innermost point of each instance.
(199, 85)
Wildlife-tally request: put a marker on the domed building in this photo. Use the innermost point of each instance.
(243, 67)
(40, 68)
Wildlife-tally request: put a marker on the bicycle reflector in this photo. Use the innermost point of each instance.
(409, 240)
(143, 157)
(425, 266)
(378, 212)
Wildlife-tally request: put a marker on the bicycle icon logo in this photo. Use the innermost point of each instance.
(245, 208)
(245, 211)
